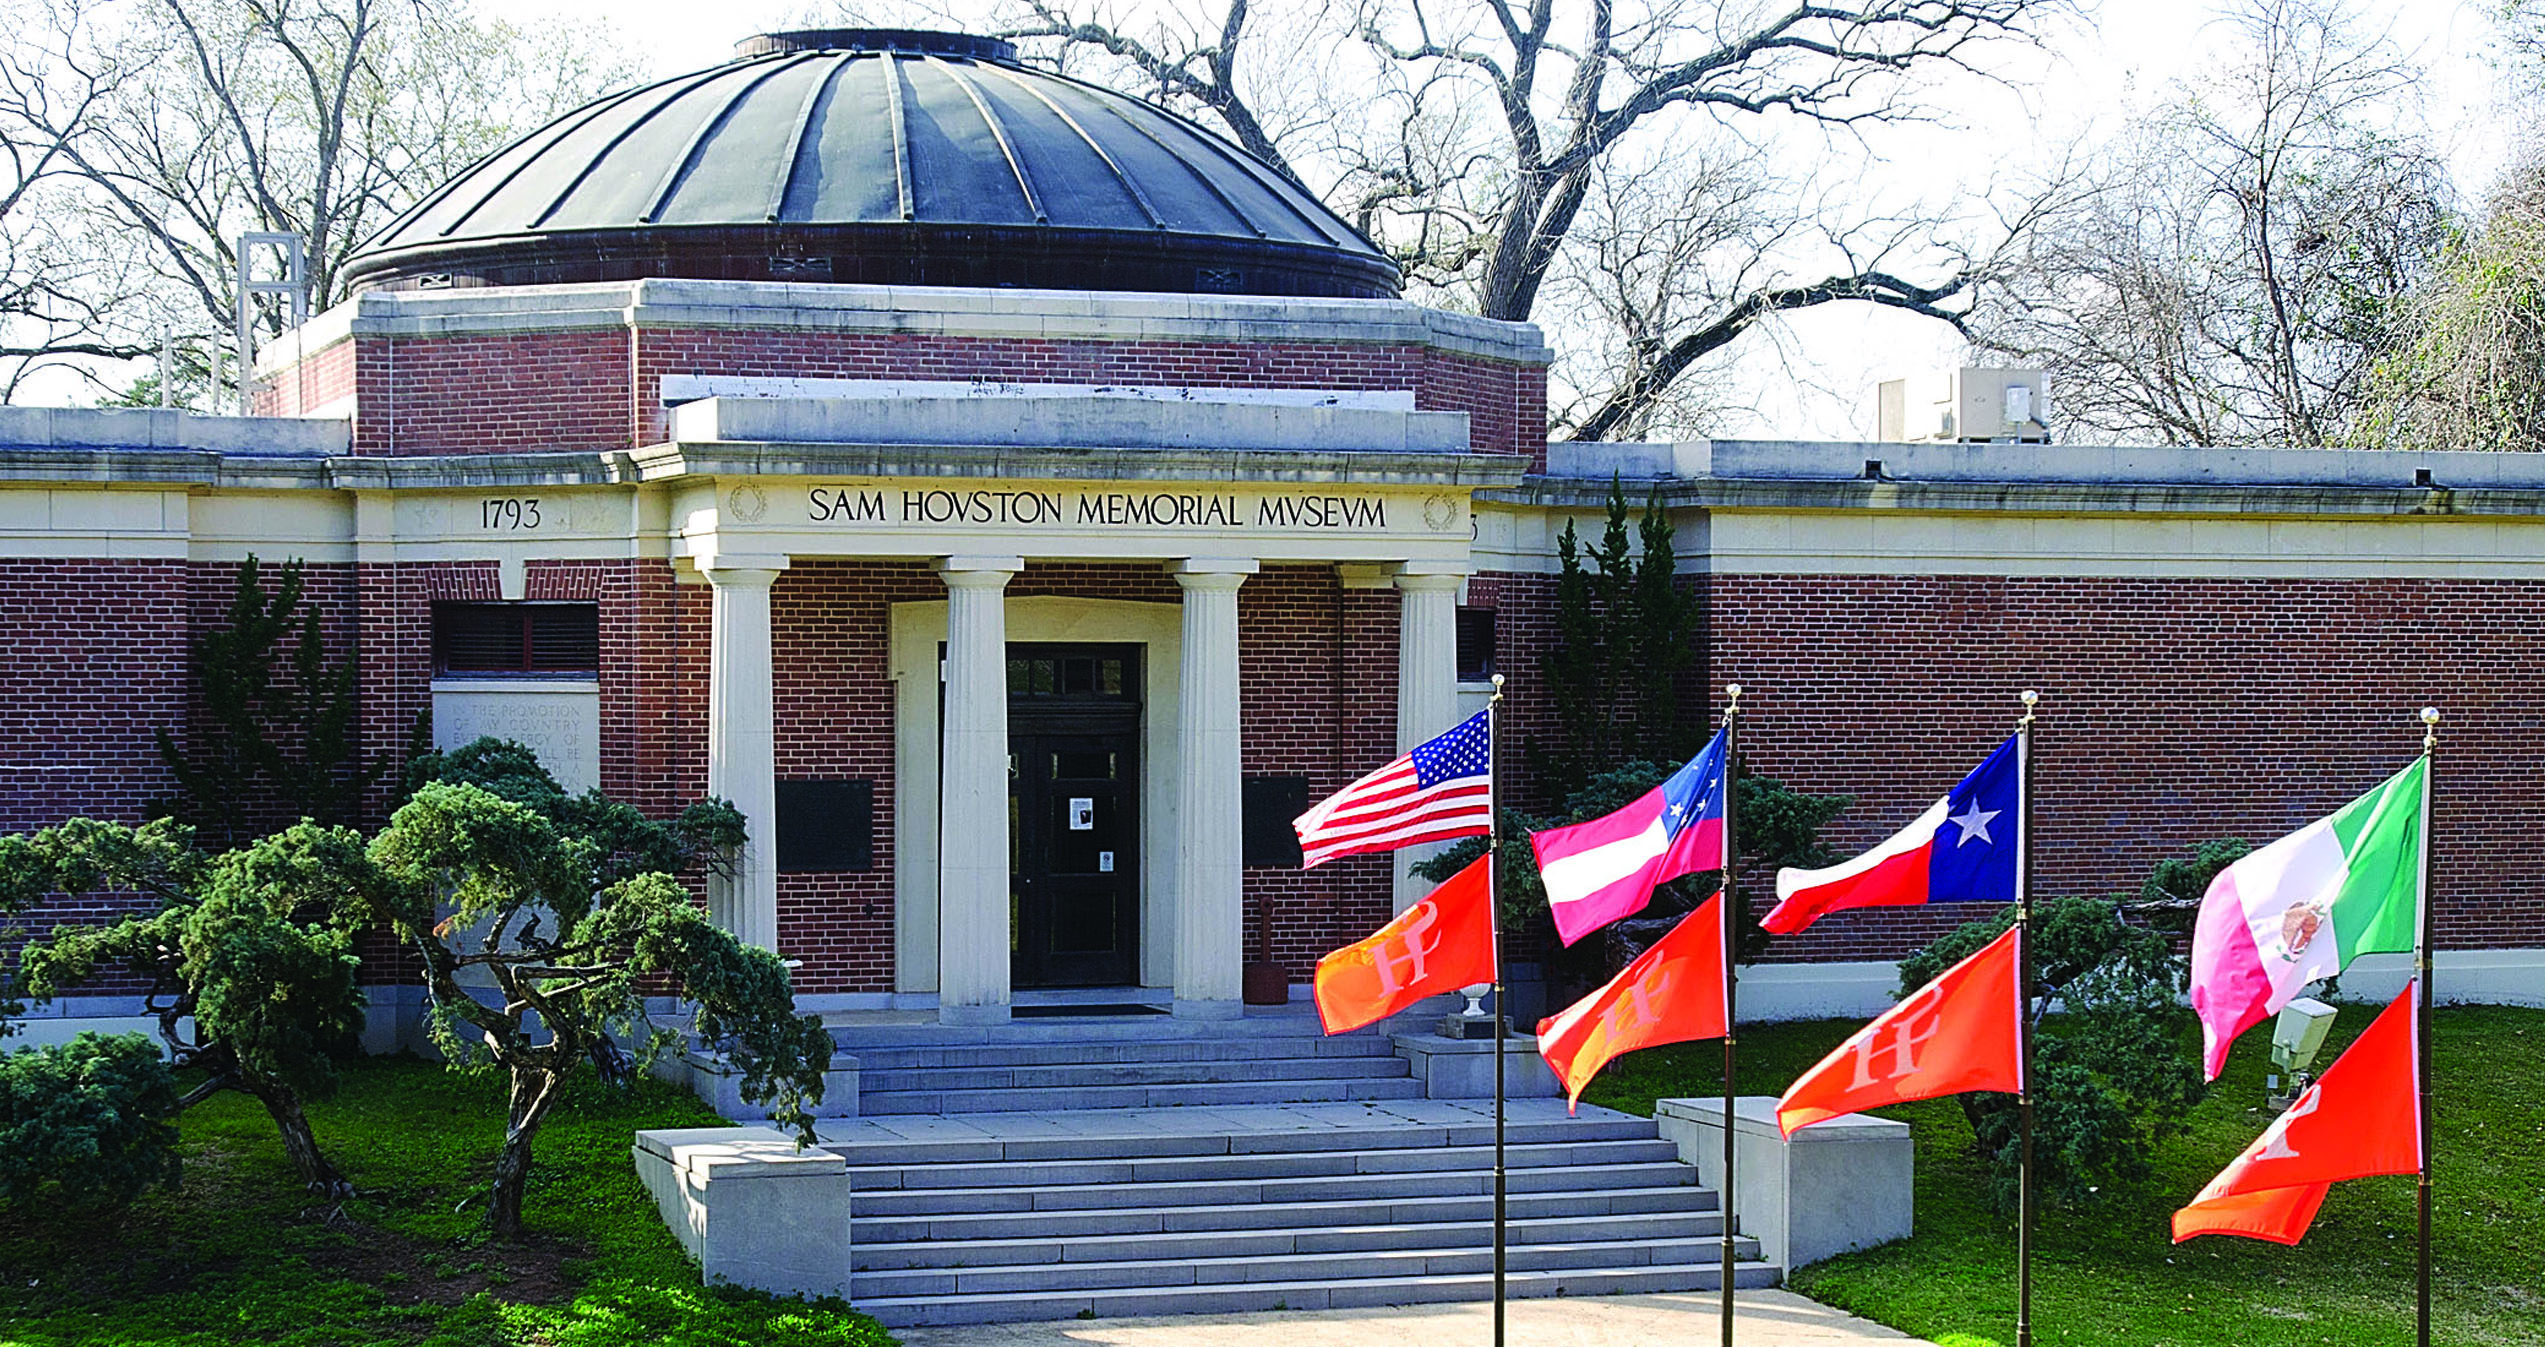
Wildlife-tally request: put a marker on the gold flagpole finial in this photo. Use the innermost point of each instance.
(2429, 728)
(2031, 699)
(1497, 687)
(1732, 691)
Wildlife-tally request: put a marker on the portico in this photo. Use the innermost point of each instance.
(758, 486)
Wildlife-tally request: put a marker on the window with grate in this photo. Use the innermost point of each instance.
(1475, 644)
(519, 639)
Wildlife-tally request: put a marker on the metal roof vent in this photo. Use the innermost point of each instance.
(915, 41)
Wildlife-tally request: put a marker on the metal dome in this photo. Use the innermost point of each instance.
(869, 155)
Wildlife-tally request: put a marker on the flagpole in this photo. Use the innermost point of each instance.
(2023, 964)
(1731, 795)
(2421, 1021)
(1501, 1015)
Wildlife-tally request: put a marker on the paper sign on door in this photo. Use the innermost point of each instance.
(1082, 814)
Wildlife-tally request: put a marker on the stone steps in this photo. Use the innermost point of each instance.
(1049, 1075)
(1313, 1090)
(1182, 1169)
(983, 1308)
(1102, 1063)
(957, 1222)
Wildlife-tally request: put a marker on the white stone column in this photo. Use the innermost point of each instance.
(742, 760)
(1426, 688)
(1210, 897)
(972, 842)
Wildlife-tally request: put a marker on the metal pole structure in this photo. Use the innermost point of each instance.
(1501, 1017)
(2421, 1019)
(2023, 963)
(1730, 897)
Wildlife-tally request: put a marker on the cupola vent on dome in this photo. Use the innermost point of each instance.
(880, 156)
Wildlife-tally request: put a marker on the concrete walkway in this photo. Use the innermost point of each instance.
(1762, 1319)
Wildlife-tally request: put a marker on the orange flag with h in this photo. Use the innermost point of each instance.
(1961, 1032)
(2362, 1117)
(1440, 944)
(1671, 993)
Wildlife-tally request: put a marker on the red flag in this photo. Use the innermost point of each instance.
(1672, 993)
(2362, 1117)
(1961, 1032)
(1438, 945)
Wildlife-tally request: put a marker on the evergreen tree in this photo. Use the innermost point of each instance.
(1626, 632)
(278, 738)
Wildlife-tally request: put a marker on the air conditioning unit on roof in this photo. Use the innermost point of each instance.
(1966, 406)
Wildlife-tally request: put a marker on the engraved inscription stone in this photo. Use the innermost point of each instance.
(559, 722)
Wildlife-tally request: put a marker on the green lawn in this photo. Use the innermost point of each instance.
(240, 1256)
(2111, 1276)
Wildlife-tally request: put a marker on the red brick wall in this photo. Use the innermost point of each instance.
(1317, 692)
(96, 663)
(2173, 712)
(538, 392)
(1506, 402)
(572, 391)
(307, 385)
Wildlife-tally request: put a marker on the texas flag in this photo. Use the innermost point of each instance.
(1599, 871)
(1961, 850)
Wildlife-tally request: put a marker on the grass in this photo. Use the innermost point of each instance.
(2112, 1276)
(239, 1256)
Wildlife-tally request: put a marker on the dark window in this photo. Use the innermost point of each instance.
(1271, 802)
(516, 638)
(825, 826)
(1475, 644)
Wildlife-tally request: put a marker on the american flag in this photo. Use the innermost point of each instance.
(1443, 789)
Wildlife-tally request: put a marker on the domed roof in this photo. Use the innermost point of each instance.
(878, 156)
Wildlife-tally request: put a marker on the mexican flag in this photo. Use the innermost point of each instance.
(2303, 907)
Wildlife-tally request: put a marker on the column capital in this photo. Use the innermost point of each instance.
(1238, 566)
(1430, 582)
(978, 572)
(743, 569)
(1210, 577)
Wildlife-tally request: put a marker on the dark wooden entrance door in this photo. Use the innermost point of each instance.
(1074, 815)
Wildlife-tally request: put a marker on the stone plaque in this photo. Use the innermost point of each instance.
(559, 721)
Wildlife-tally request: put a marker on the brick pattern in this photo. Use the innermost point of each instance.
(588, 391)
(2173, 711)
(100, 664)
(307, 385)
(1317, 687)
(527, 393)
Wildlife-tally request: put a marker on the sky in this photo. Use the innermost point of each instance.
(1817, 380)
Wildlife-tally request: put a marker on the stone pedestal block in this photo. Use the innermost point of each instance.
(719, 1084)
(751, 1208)
(1834, 1187)
(1453, 1068)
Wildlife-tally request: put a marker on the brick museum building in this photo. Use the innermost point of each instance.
(1019, 502)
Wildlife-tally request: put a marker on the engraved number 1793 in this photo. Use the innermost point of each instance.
(508, 512)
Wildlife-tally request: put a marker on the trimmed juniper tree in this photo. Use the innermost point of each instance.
(539, 917)
(2114, 1073)
(248, 957)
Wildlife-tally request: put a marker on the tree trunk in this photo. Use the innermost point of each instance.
(301, 1144)
(533, 1092)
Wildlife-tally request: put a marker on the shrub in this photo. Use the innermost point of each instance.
(85, 1123)
(2112, 1074)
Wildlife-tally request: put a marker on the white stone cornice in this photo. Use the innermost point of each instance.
(903, 310)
